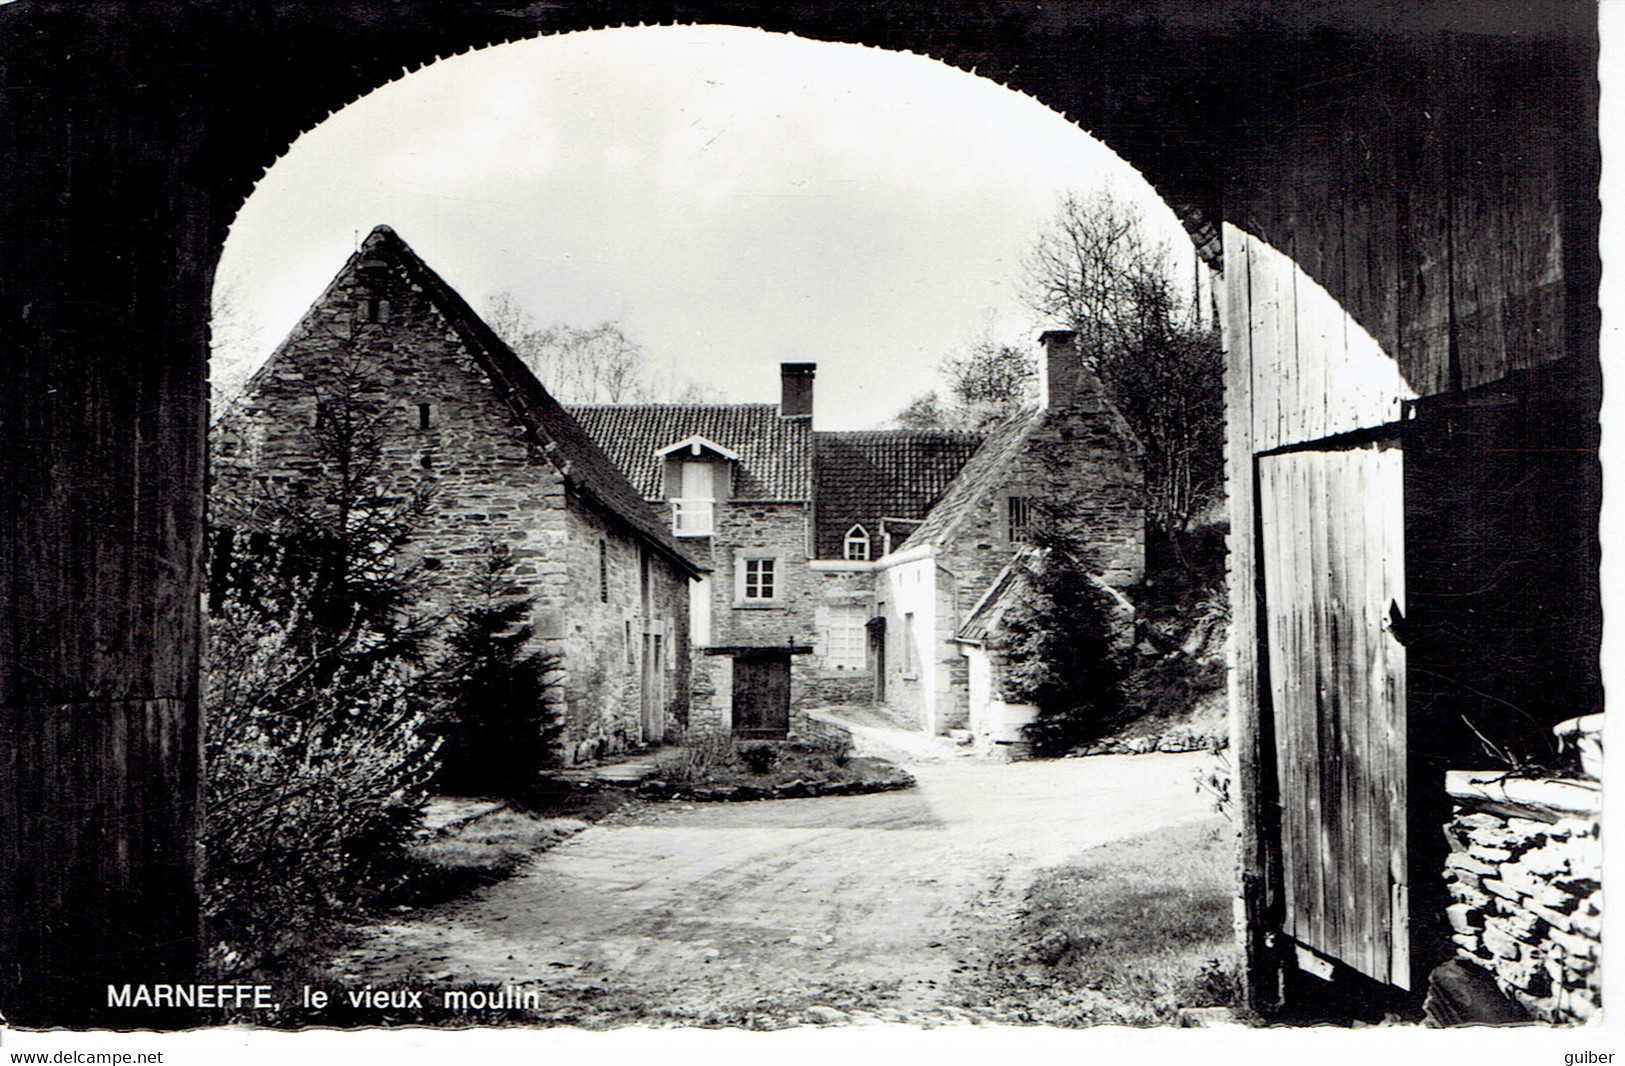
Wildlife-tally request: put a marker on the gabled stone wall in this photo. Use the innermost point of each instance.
(445, 429)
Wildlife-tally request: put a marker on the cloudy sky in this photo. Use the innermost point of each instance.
(732, 198)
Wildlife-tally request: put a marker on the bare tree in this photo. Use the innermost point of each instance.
(986, 384)
(990, 382)
(1093, 269)
(597, 365)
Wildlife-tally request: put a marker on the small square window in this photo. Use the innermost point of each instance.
(1020, 514)
(759, 579)
(757, 582)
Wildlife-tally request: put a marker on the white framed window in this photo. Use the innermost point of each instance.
(857, 544)
(694, 512)
(757, 581)
(1018, 519)
(846, 640)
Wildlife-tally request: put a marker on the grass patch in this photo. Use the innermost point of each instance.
(1130, 933)
(716, 766)
(468, 855)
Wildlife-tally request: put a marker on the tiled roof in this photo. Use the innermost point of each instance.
(864, 476)
(775, 454)
(585, 465)
(984, 470)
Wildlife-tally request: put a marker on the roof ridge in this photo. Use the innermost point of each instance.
(668, 404)
(584, 463)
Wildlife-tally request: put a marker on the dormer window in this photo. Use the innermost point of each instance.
(697, 473)
(694, 511)
(857, 544)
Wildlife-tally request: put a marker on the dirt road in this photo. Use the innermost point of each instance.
(784, 911)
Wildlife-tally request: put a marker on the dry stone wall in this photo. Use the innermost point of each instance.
(1525, 882)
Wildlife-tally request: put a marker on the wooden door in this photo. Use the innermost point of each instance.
(1334, 570)
(877, 656)
(654, 699)
(761, 697)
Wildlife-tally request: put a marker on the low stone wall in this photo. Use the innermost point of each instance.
(828, 690)
(817, 728)
(1525, 875)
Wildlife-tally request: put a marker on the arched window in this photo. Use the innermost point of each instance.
(857, 543)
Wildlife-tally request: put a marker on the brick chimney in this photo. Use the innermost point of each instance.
(796, 397)
(1067, 382)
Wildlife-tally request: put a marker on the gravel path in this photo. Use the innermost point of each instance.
(787, 911)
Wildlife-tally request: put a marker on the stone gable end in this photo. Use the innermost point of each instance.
(447, 428)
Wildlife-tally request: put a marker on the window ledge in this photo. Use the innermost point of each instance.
(770, 606)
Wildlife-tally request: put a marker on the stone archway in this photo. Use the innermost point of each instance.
(1435, 171)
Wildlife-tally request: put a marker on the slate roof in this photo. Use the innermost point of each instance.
(864, 476)
(775, 454)
(1011, 586)
(586, 468)
(985, 470)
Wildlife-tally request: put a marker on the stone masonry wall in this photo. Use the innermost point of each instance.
(1527, 901)
(489, 485)
(603, 632)
(778, 530)
(817, 729)
(847, 591)
(752, 529)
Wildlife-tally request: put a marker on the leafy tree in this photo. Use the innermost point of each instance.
(923, 412)
(498, 724)
(1093, 269)
(1062, 648)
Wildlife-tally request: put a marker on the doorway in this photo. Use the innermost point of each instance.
(761, 695)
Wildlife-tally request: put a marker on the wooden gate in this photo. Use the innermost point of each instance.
(761, 695)
(1334, 579)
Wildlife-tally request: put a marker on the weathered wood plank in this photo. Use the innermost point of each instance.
(1251, 736)
(1364, 820)
(1393, 511)
(1287, 683)
(1351, 665)
(1269, 354)
(1328, 720)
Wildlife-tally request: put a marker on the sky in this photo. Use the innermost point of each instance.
(732, 198)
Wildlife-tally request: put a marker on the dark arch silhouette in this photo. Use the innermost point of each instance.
(1413, 159)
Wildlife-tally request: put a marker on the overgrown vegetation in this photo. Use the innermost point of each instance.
(331, 704)
(718, 761)
(317, 757)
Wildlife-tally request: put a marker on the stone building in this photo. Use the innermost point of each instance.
(844, 562)
(736, 483)
(1074, 451)
(460, 417)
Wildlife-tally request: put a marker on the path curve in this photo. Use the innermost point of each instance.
(793, 910)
